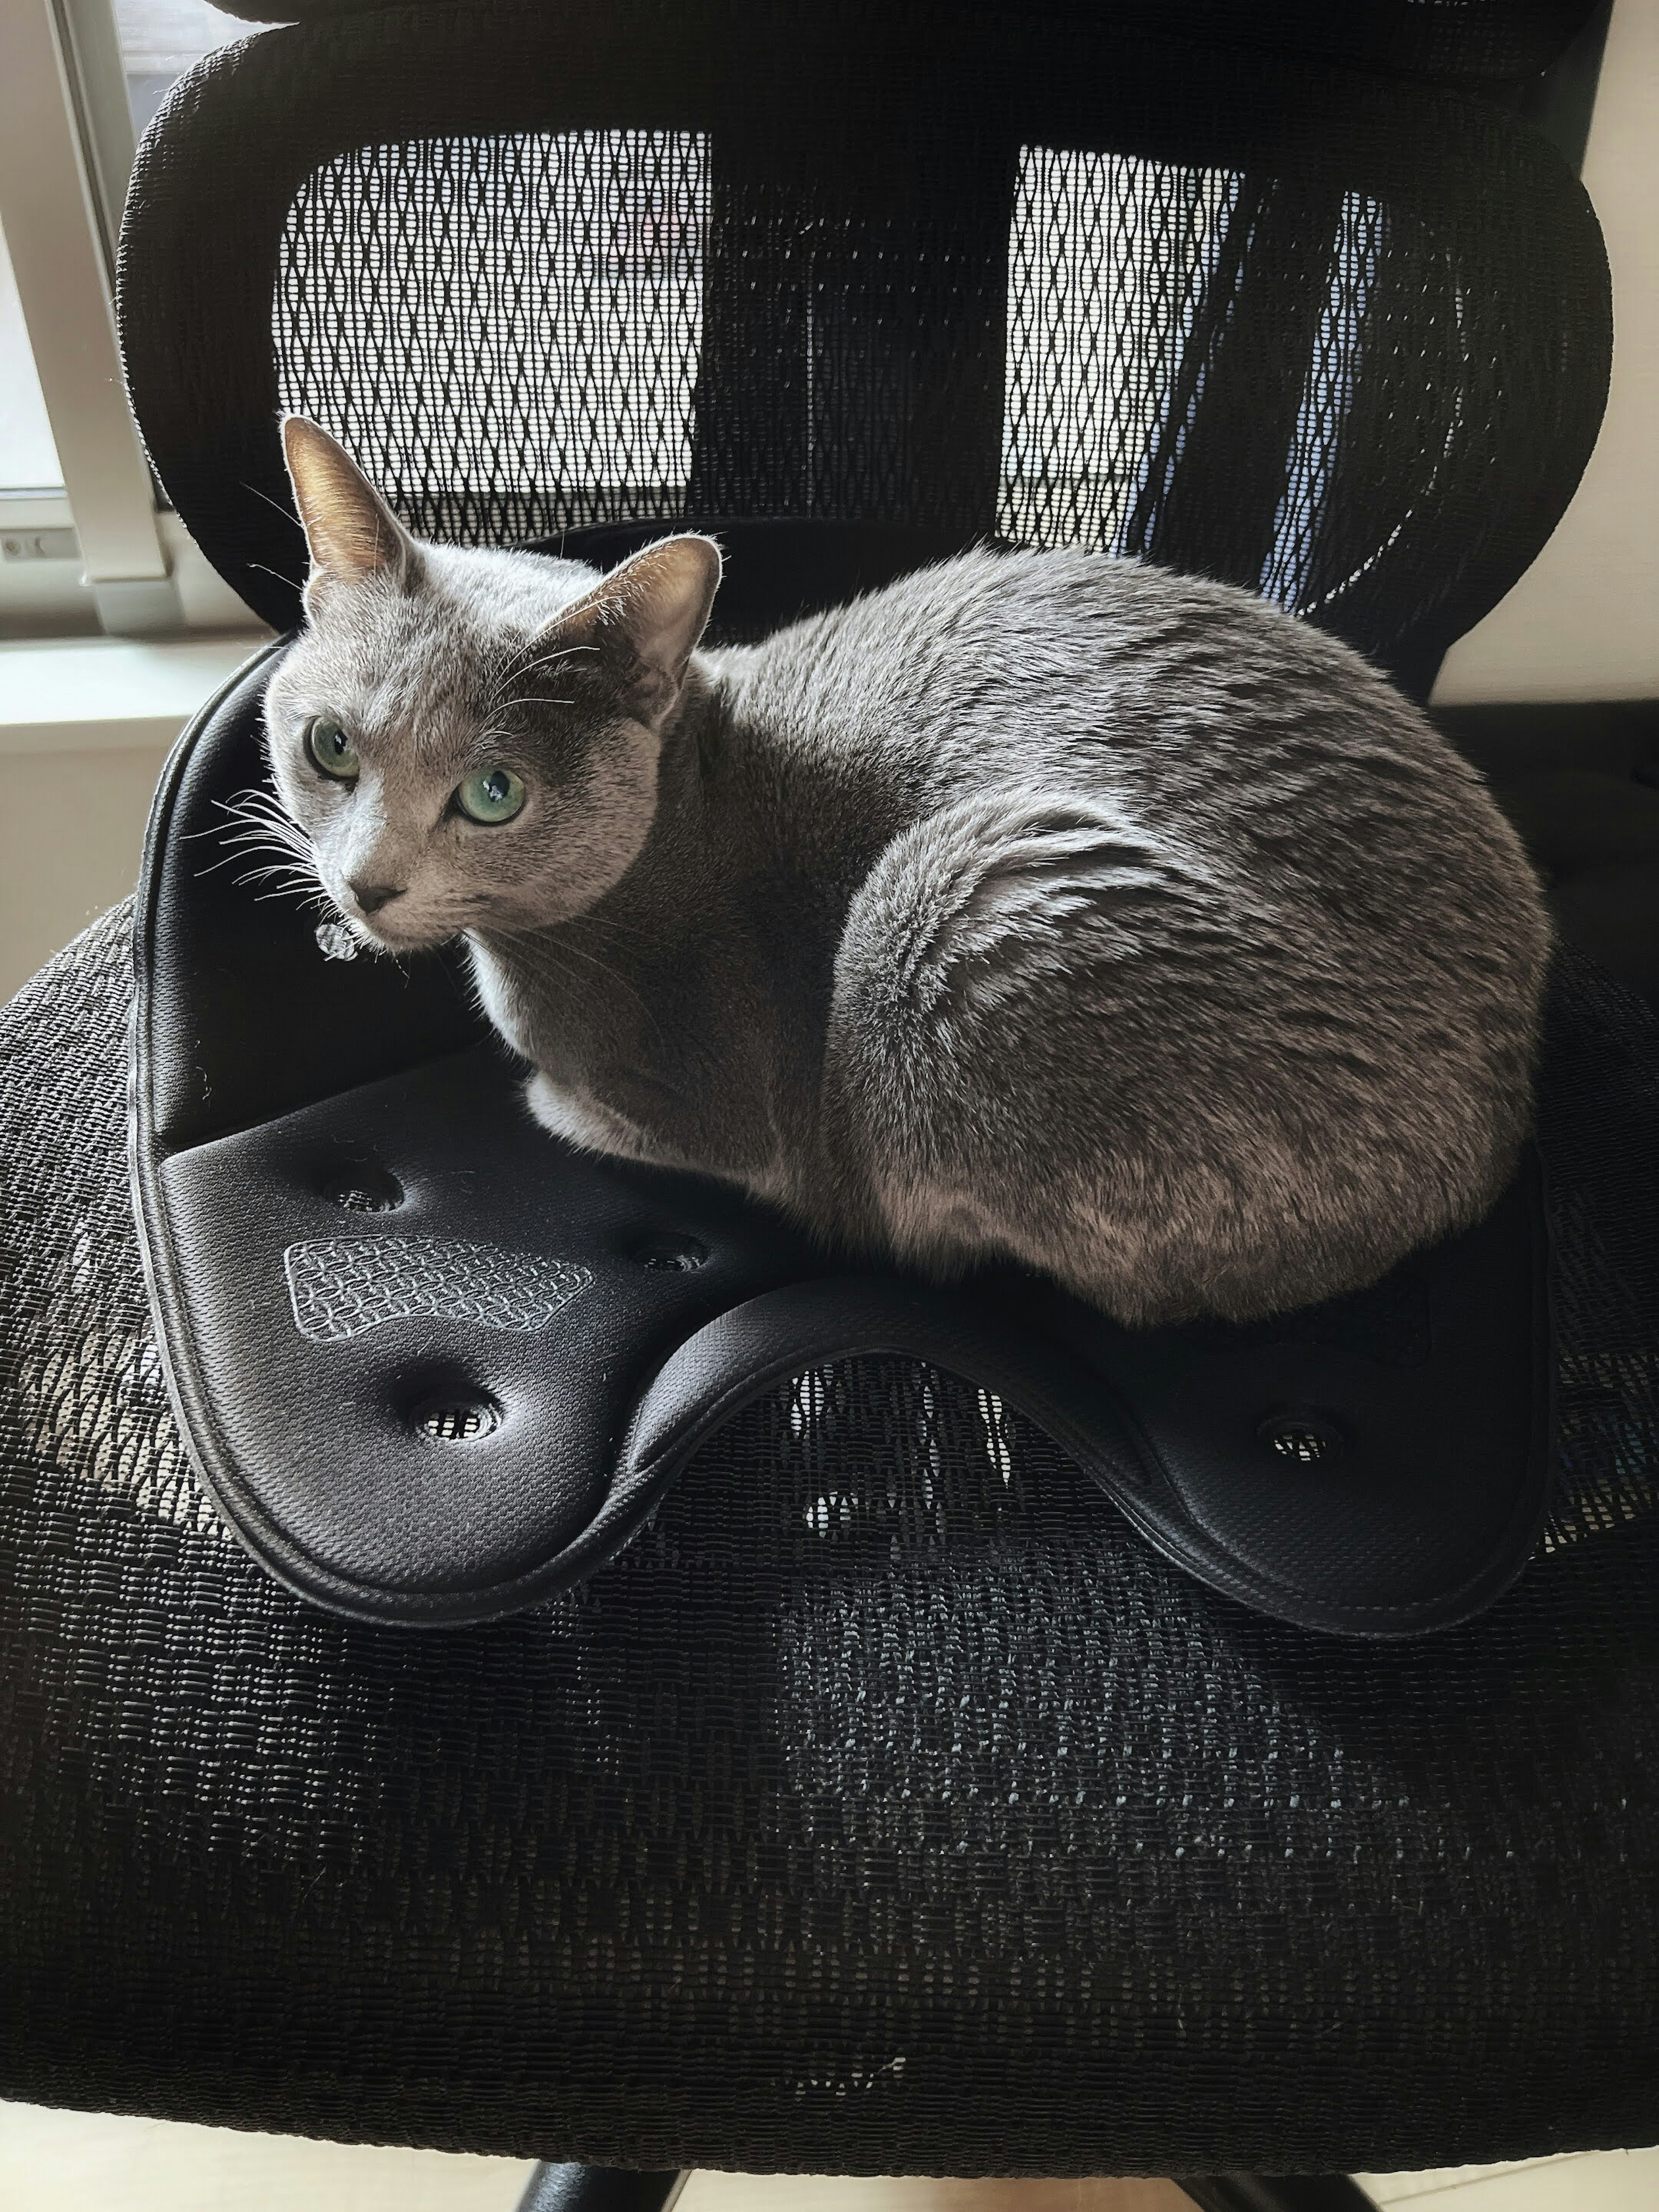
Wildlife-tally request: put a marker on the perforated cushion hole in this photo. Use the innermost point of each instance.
(364, 1189)
(458, 1413)
(1303, 1437)
(668, 1254)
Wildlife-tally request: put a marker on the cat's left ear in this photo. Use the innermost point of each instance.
(352, 533)
(644, 620)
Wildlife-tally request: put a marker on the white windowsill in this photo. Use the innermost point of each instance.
(107, 695)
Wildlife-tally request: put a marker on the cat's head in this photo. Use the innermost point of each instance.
(470, 740)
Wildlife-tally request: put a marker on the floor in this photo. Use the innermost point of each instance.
(52, 2161)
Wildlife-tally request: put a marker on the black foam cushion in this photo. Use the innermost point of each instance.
(1581, 783)
(437, 1365)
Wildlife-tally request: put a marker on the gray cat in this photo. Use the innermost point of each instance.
(1041, 907)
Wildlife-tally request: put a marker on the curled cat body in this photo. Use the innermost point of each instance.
(1042, 906)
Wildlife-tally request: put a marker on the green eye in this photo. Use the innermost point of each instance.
(494, 794)
(331, 750)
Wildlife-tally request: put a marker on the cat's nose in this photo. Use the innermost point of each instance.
(371, 897)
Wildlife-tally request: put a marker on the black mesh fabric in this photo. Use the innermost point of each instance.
(887, 1805)
(470, 315)
(1501, 39)
(1340, 339)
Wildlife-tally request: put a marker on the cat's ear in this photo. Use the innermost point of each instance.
(645, 619)
(351, 531)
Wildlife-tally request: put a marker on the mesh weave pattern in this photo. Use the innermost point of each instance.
(509, 333)
(505, 305)
(1340, 338)
(887, 1806)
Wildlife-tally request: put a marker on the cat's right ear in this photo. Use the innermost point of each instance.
(351, 532)
(645, 619)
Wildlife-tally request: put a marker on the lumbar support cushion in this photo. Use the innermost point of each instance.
(436, 1365)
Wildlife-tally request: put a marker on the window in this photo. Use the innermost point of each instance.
(160, 40)
(28, 458)
(86, 544)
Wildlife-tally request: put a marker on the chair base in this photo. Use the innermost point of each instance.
(1280, 2192)
(599, 2189)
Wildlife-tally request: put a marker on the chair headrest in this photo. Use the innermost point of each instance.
(1340, 338)
(1504, 40)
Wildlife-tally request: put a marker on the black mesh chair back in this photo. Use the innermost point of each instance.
(1338, 338)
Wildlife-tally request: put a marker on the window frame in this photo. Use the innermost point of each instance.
(66, 153)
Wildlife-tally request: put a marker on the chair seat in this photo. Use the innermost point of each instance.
(1581, 783)
(886, 1806)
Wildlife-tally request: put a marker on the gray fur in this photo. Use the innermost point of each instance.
(1041, 906)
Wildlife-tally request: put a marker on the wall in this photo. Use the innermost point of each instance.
(84, 728)
(71, 828)
(1583, 622)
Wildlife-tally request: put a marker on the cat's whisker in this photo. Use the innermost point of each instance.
(286, 867)
(251, 831)
(517, 673)
(244, 848)
(275, 505)
(302, 889)
(494, 732)
(255, 804)
(520, 672)
(252, 794)
(255, 823)
(242, 804)
(291, 868)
